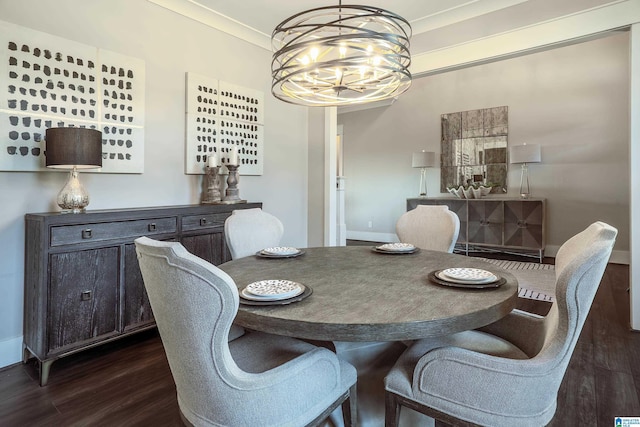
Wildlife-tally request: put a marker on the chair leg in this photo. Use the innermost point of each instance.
(349, 408)
(391, 410)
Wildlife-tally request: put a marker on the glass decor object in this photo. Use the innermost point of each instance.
(340, 55)
(423, 160)
(525, 154)
(73, 148)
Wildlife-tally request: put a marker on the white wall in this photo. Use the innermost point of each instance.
(170, 45)
(573, 101)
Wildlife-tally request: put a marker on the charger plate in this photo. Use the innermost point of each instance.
(307, 292)
(396, 249)
(433, 277)
(263, 254)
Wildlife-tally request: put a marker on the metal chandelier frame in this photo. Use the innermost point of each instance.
(340, 55)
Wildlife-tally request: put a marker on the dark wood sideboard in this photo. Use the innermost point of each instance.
(510, 225)
(83, 286)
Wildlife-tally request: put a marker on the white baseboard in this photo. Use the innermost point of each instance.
(10, 351)
(371, 236)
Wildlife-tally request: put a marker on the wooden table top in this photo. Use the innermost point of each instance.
(362, 295)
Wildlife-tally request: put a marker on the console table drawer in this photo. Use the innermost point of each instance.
(71, 234)
(197, 222)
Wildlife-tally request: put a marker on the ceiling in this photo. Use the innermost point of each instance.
(254, 20)
(438, 25)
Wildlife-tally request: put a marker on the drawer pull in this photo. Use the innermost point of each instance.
(203, 221)
(152, 226)
(85, 295)
(87, 233)
(522, 224)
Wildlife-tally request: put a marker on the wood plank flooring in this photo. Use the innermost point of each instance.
(128, 382)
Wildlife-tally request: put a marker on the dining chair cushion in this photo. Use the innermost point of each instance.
(401, 378)
(432, 227)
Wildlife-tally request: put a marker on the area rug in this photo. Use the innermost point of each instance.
(535, 281)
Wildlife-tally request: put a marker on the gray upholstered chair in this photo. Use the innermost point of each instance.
(249, 230)
(508, 373)
(254, 380)
(432, 227)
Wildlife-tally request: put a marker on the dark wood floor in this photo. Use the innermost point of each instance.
(128, 383)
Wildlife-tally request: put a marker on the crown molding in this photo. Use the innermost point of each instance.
(213, 19)
(569, 29)
(453, 15)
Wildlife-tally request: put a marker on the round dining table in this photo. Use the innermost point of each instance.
(360, 294)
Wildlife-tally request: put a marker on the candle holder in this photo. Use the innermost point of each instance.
(213, 185)
(232, 192)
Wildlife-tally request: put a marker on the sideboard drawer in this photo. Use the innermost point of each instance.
(71, 234)
(197, 222)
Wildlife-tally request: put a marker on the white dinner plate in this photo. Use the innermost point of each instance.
(280, 250)
(272, 290)
(396, 247)
(467, 275)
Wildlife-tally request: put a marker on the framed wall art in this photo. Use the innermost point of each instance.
(222, 116)
(48, 81)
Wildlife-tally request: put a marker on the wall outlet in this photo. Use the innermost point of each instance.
(370, 224)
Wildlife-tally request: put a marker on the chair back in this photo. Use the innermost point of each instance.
(580, 265)
(194, 304)
(432, 227)
(249, 230)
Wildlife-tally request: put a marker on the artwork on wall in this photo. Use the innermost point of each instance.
(221, 116)
(48, 81)
(474, 149)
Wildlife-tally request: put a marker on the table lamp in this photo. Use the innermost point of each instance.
(525, 154)
(73, 148)
(423, 160)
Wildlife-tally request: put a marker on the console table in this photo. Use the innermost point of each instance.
(510, 225)
(83, 286)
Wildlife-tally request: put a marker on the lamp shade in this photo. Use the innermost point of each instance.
(526, 153)
(423, 159)
(68, 148)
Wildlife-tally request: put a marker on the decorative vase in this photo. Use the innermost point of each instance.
(485, 190)
(468, 192)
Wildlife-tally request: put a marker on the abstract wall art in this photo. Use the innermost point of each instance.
(48, 81)
(221, 116)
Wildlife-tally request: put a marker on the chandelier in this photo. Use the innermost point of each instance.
(340, 55)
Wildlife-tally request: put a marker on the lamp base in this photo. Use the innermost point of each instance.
(524, 182)
(423, 183)
(73, 198)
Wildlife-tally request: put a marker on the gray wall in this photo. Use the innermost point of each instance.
(573, 101)
(170, 45)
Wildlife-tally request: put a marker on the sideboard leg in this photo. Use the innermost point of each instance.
(44, 371)
(26, 354)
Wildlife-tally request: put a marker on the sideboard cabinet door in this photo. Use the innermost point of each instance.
(137, 308)
(84, 295)
(485, 222)
(211, 247)
(524, 223)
